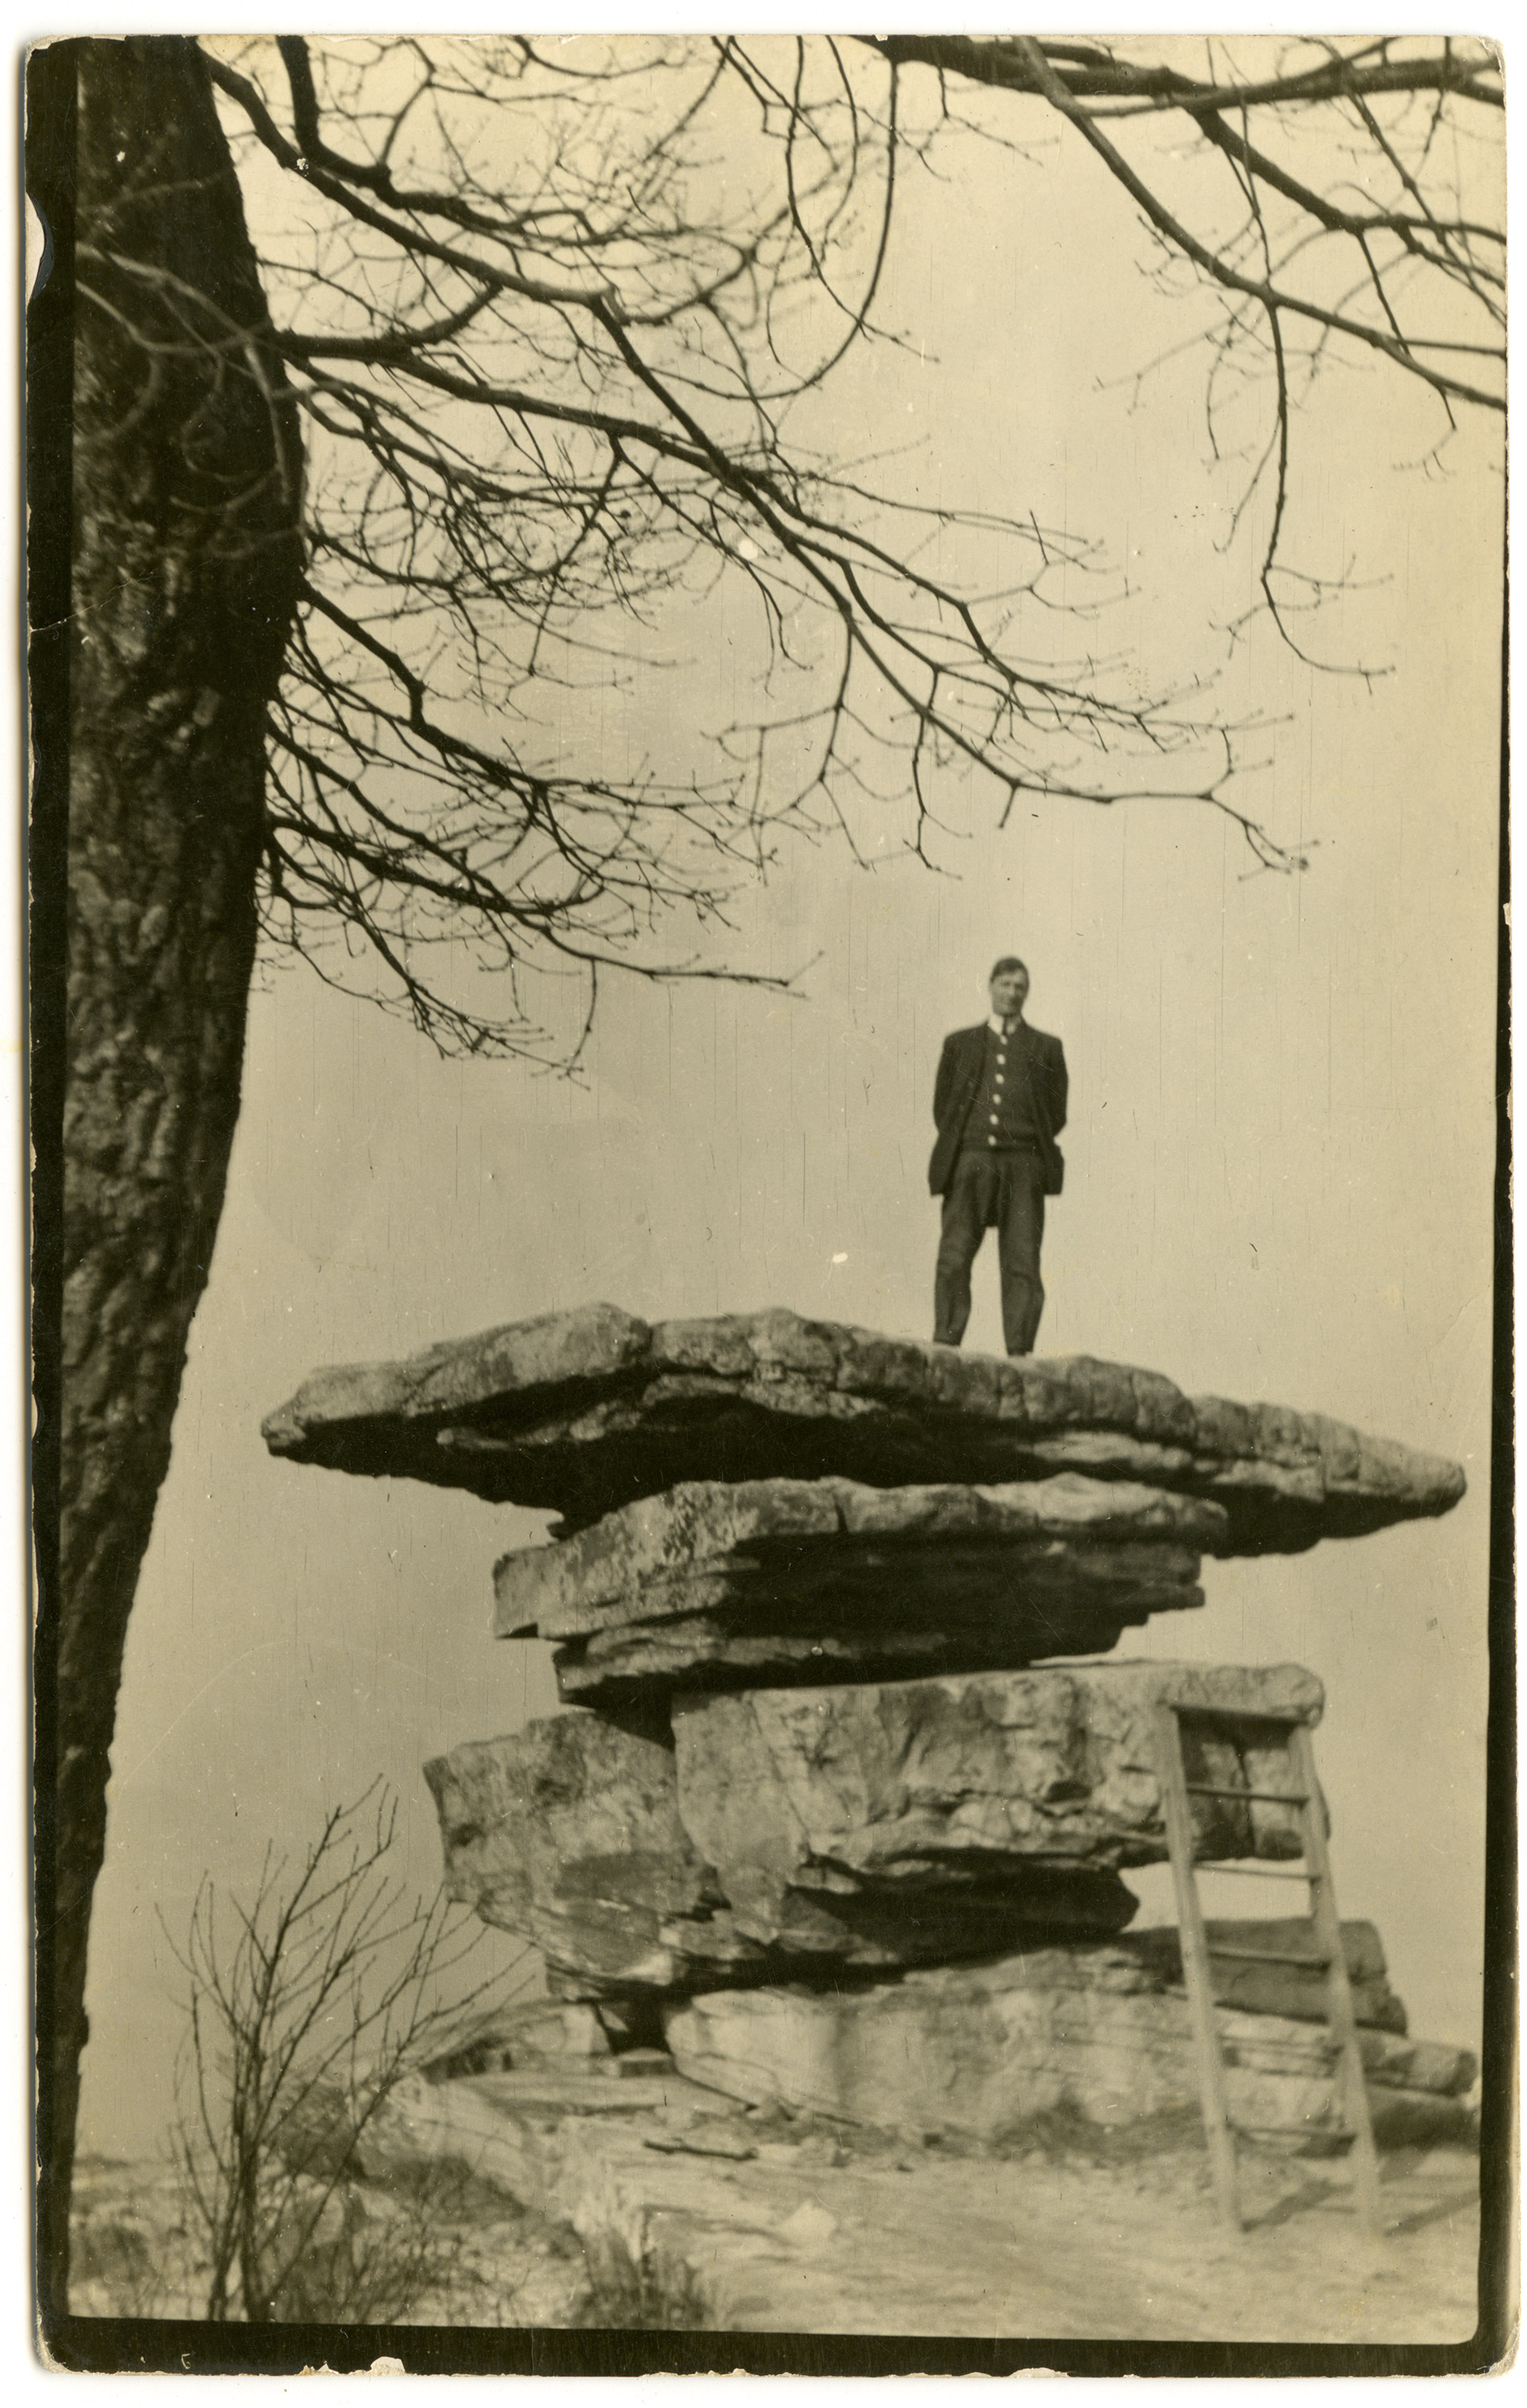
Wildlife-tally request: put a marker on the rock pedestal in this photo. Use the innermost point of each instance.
(839, 1821)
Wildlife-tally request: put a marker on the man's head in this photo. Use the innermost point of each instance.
(1009, 987)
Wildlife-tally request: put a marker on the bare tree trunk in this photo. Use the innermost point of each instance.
(185, 570)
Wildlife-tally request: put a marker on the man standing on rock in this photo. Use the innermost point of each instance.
(999, 1104)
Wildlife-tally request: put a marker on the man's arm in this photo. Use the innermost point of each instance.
(1059, 1089)
(944, 1083)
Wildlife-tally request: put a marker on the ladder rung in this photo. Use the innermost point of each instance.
(1236, 1714)
(1294, 2131)
(1247, 1872)
(1295, 2053)
(1267, 1956)
(1252, 1797)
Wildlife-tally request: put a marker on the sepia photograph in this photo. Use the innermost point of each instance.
(770, 1238)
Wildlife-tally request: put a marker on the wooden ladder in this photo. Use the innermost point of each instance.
(1305, 1796)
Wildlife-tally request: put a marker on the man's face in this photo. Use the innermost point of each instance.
(1009, 989)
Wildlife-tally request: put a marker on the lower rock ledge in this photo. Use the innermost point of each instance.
(986, 2052)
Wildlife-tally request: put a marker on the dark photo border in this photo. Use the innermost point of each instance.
(102, 2345)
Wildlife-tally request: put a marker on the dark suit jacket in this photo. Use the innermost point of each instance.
(954, 1092)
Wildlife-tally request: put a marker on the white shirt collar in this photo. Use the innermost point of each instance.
(996, 1027)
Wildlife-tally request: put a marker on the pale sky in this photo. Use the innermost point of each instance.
(1279, 1157)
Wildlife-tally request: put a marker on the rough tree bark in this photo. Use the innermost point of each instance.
(187, 465)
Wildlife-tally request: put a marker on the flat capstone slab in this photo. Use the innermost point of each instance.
(581, 1412)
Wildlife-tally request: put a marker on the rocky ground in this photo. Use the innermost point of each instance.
(455, 2253)
(653, 2203)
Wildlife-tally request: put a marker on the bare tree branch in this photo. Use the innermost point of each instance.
(546, 381)
(1398, 264)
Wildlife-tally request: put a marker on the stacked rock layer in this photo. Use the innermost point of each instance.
(836, 1810)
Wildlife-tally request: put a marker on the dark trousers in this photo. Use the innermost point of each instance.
(1006, 1191)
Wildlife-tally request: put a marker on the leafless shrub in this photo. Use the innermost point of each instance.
(304, 2010)
(638, 2278)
